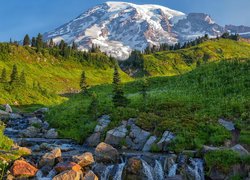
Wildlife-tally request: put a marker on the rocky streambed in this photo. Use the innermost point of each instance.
(63, 159)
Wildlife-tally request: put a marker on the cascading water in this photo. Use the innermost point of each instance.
(196, 169)
(158, 170)
(118, 175)
(106, 173)
(147, 169)
(172, 170)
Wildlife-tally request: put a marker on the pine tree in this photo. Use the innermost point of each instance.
(26, 40)
(4, 75)
(33, 42)
(23, 78)
(14, 75)
(51, 43)
(39, 42)
(119, 100)
(93, 107)
(83, 83)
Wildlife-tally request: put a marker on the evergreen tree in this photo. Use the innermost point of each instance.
(23, 78)
(74, 46)
(83, 83)
(51, 43)
(118, 97)
(14, 75)
(33, 42)
(4, 75)
(93, 107)
(39, 42)
(26, 40)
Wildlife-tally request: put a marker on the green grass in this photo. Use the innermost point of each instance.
(189, 105)
(181, 61)
(56, 75)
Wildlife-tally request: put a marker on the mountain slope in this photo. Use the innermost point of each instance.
(58, 75)
(119, 27)
(178, 62)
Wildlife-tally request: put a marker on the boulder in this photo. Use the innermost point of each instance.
(106, 153)
(23, 168)
(84, 160)
(30, 132)
(227, 124)
(133, 170)
(15, 116)
(69, 175)
(136, 138)
(64, 166)
(206, 149)
(94, 139)
(24, 150)
(90, 176)
(240, 149)
(103, 122)
(166, 139)
(50, 158)
(51, 134)
(35, 120)
(8, 108)
(149, 143)
(115, 136)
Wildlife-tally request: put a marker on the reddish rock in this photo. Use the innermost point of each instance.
(84, 160)
(50, 158)
(22, 168)
(63, 166)
(90, 176)
(106, 153)
(69, 175)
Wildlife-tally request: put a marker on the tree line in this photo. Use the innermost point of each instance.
(14, 79)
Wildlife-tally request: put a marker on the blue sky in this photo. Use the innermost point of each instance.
(18, 17)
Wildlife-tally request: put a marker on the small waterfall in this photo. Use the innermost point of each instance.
(118, 175)
(196, 169)
(106, 173)
(147, 170)
(172, 170)
(158, 170)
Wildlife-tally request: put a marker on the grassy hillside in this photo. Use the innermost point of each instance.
(188, 104)
(56, 74)
(181, 61)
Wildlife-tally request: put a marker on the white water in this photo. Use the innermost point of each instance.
(147, 170)
(118, 175)
(172, 170)
(106, 173)
(158, 170)
(196, 169)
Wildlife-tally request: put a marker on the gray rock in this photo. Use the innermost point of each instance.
(94, 139)
(149, 143)
(103, 122)
(227, 124)
(8, 108)
(15, 116)
(42, 110)
(240, 149)
(30, 132)
(115, 136)
(137, 138)
(35, 120)
(3, 112)
(46, 125)
(167, 138)
(51, 134)
(206, 149)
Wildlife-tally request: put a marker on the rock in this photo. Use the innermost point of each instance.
(106, 153)
(36, 148)
(24, 150)
(84, 160)
(23, 168)
(115, 136)
(42, 111)
(50, 158)
(176, 177)
(133, 170)
(149, 143)
(167, 137)
(216, 174)
(103, 122)
(46, 125)
(206, 149)
(64, 166)
(90, 176)
(8, 108)
(3, 112)
(227, 124)
(137, 138)
(15, 116)
(69, 175)
(94, 139)
(51, 134)
(240, 149)
(35, 120)
(30, 132)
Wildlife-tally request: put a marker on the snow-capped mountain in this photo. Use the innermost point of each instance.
(120, 27)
